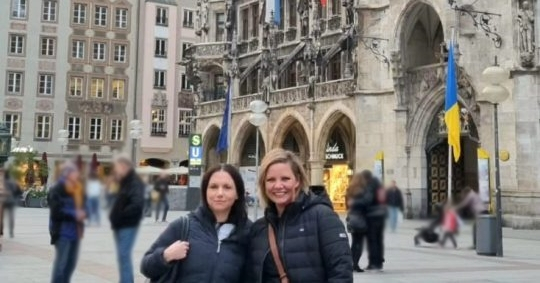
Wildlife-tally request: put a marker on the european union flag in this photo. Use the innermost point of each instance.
(225, 132)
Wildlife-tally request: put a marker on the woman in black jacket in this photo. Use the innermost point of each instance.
(358, 228)
(311, 241)
(216, 246)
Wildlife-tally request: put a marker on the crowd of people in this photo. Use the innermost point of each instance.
(299, 239)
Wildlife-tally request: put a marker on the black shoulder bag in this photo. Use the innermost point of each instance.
(174, 272)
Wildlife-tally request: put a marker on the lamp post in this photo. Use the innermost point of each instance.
(135, 133)
(63, 136)
(495, 93)
(257, 118)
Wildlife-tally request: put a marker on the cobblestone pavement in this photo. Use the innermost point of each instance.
(28, 257)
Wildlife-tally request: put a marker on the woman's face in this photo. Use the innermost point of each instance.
(281, 185)
(221, 193)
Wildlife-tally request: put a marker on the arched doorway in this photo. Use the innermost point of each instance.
(211, 157)
(464, 172)
(156, 162)
(295, 140)
(337, 148)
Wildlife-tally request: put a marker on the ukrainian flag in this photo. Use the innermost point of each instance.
(452, 113)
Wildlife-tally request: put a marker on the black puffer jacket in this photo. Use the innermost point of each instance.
(312, 242)
(128, 207)
(207, 260)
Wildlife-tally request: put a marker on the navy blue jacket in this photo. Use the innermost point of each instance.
(127, 210)
(63, 218)
(312, 242)
(207, 259)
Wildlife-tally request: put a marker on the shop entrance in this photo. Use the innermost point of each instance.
(336, 170)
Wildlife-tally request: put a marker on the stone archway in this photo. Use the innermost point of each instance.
(210, 156)
(291, 134)
(248, 148)
(245, 134)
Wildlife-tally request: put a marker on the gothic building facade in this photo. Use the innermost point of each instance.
(360, 84)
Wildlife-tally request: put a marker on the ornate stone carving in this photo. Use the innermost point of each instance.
(253, 45)
(334, 23)
(526, 33)
(44, 105)
(210, 49)
(335, 89)
(96, 107)
(291, 34)
(204, 9)
(13, 103)
(398, 77)
(159, 99)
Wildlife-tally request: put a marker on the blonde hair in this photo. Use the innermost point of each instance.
(276, 156)
(356, 185)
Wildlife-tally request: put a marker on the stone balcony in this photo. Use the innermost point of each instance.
(209, 50)
(288, 97)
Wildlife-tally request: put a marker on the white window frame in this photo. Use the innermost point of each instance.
(95, 129)
(15, 82)
(79, 13)
(159, 119)
(116, 133)
(43, 126)
(19, 9)
(121, 18)
(188, 19)
(162, 16)
(95, 93)
(115, 93)
(100, 15)
(185, 46)
(99, 52)
(74, 127)
(120, 53)
(48, 46)
(78, 48)
(76, 86)
(46, 84)
(17, 44)
(185, 116)
(13, 123)
(160, 79)
(184, 83)
(160, 50)
(50, 8)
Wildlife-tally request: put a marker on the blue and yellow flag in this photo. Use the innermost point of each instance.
(452, 113)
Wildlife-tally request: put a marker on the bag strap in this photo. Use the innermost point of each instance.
(275, 254)
(184, 228)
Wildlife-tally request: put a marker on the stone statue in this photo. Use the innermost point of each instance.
(526, 33)
(204, 15)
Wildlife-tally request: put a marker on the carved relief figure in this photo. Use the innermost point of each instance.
(204, 15)
(526, 33)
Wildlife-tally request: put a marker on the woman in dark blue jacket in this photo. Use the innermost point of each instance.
(310, 240)
(216, 245)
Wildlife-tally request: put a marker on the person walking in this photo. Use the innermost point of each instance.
(394, 202)
(12, 193)
(93, 195)
(356, 217)
(126, 214)
(474, 204)
(162, 187)
(300, 237)
(66, 222)
(374, 201)
(450, 225)
(216, 243)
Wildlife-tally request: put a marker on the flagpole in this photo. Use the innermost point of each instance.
(229, 119)
(450, 152)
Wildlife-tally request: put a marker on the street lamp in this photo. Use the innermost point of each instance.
(495, 93)
(135, 133)
(63, 136)
(257, 118)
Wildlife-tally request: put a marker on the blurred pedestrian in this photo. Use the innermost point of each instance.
(473, 204)
(213, 238)
(450, 225)
(148, 188)
(66, 224)
(12, 193)
(126, 214)
(394, 202)
(300, 237)
(356, 217)
(161, 186)
(93, 195)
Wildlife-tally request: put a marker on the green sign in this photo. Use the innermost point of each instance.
(195, 140)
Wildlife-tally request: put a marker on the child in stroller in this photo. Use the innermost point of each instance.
(428, 233)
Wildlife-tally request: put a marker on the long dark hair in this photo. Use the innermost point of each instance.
(238, 214)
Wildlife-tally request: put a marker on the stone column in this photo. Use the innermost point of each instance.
(536, 8)
(317, 169)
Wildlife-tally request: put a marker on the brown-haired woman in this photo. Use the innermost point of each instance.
(356, 218)
(310, 240)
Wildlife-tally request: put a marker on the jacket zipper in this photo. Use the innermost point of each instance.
(282, 242)
(262, 267)
(216, 261)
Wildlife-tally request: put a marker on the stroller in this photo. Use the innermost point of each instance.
(429, 233)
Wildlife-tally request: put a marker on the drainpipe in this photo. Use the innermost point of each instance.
(137, 89)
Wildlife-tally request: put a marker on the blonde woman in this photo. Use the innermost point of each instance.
(300, 238)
